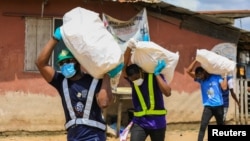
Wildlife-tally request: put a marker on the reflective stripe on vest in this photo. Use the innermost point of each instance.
(145, 110)
(86, 113)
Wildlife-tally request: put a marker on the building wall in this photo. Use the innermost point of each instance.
(27, 100)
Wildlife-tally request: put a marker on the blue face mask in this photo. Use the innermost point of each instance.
(68, 70)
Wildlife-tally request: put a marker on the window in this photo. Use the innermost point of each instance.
(37, 33)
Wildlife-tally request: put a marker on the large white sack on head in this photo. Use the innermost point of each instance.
(214, 63)
(146, 54)
(93, 46)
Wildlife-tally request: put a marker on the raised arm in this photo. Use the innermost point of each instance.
(105, 97)
(127, 58)
(190, 69)
(42, 61)
(163, 85)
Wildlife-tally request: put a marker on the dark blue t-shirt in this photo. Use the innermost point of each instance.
(78, 91)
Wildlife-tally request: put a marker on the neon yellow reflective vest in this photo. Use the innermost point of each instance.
(145, 110)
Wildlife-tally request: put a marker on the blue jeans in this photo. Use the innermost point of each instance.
(140, 134)
(208, 113)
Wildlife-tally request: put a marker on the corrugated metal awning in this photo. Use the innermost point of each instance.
(190, 19)
(147, 1)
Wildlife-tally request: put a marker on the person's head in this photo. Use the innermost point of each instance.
(201, 73)
(67, 63)
(135, 74)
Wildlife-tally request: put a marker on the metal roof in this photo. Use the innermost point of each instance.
(164, 8)
(235, 14)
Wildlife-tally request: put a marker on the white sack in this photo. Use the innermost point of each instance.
(214, 63)
(146, 54)
(93, 46)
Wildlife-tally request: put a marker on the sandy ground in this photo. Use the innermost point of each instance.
(44, 114)
(33, 117)
(170, 136)
(185, 132)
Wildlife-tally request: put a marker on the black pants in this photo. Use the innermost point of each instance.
(208, 113)
(140, 134)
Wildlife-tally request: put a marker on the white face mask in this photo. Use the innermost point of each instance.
(138, 82)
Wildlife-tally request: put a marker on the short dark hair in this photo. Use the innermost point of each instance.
(132, 69)
(199, 70)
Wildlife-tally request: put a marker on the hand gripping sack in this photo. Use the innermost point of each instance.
(147, 53)
(93, 46)
(214, 63)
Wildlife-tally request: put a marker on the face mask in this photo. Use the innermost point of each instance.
(138, 82)
(68, 70)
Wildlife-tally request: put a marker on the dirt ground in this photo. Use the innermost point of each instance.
(185, 132)
(170, 136)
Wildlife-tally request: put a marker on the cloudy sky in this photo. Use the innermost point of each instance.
(209, 5)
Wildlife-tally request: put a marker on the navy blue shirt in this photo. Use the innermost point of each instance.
(78, 91)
